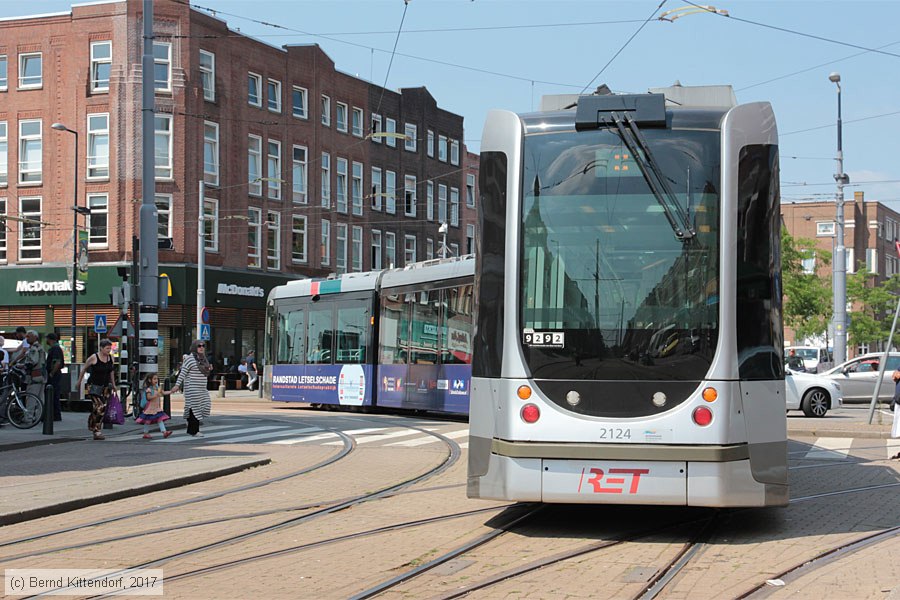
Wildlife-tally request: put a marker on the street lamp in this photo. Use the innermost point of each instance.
(443, 231)
(75, 208)
(839, 265)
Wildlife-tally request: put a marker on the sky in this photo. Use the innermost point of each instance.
(475, 55)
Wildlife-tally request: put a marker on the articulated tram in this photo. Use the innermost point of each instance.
(628, 334)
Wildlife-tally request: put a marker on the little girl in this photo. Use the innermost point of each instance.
(152, 412)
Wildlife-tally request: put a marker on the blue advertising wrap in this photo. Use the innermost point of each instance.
(435, 388)
(347, 385)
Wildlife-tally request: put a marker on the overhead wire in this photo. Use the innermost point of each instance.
(393, 53)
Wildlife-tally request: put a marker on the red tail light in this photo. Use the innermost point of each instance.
(702, 416)
(530, 413)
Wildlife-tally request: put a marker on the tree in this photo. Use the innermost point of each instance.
(870, 322)
(807, 296)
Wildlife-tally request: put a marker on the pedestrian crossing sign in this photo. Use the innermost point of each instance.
(100, 323)
(204, 332)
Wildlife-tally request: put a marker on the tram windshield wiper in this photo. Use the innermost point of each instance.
(677, 216)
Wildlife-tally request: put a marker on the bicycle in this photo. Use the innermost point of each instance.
(23, 409)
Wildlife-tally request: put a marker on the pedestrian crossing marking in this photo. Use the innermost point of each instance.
(262, 436)
(430, 439)
(830, 449)
(231, 432)
(303, 439)
(389, 436)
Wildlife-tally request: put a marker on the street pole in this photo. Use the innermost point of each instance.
(839, 264)
(148, 320)
(201, 261)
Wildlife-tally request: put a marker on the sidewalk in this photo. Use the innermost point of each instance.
(850, 421)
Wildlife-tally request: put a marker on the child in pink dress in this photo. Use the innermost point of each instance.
(152, 412)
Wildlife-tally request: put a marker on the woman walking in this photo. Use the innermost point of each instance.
(195, 369)
(100, 385)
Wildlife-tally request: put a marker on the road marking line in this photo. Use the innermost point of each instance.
(187, 438)
(430, 439)
(263, 436)
(830, 449)
(388, 436)
(300, 440)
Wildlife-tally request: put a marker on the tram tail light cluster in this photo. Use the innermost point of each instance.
(530, 413)
(702, 416)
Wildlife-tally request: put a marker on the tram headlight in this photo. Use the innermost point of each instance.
(659, 399)
(573, 398)
(530, 413)
(702, 416)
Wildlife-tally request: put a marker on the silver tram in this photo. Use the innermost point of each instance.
(628, 333)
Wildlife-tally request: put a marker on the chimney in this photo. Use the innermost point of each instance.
(858, 198)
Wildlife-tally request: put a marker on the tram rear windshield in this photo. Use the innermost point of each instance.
(609, 290)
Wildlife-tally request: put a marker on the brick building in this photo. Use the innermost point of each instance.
(307, 170)
(870, 232)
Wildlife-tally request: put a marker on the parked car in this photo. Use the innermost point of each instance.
(813, 394)
(857, 377)
(815, 359)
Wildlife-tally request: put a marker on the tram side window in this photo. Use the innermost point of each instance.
(456, 343)
(320, 338)
(393, 319)
(422, 345)
(351, 332)
(291, 337)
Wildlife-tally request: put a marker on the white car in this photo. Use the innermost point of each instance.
(813, 394)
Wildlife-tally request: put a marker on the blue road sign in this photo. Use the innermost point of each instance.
(204, 332)
(100, 323)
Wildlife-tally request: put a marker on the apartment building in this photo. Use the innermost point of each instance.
(307, 170)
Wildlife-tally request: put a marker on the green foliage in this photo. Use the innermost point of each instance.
(807, 297)
(874, 306)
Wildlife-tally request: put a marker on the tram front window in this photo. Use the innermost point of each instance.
(610, 290)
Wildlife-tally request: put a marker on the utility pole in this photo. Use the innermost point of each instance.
(839, 264)
(148, 321)
(201, 262)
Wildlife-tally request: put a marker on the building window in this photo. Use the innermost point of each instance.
(254, 89)
(872, 260)
(326, 111)
(98, 221)
(299, 102)
(3, 231)
(470, 238)
(164, 215)
(376, 188)
(442, 203)
(325, 248)
(851, 263)
(101, 65)
(4, 73)
(356, 248)
(376, 128)
(341, 189)
(341, 117)
(390, 129)
(454, 152)
(254, 165)
(254, 235)
(98, 146)
(274, 170)
(409, 196)
(211, 225)
(390, 249)
(390, 184)
(298, 239)
(454, 249)
(274, 95)
(825, 229)
(162, 136)
(299, 175)
(357, 188)
(409, 249)
(412, 134)
(454, 207)
(808, 265)
(273, 244)
(429, 200)
(326, 180)
(470, 190)
(208, 75)
(31, 152)
(340, 251)
(442, 148)
(357, 122)
(31, 71)
(30, 229)
(4, 155)
(211, 152)
(429, 249)
(162, 66)
(376, 250)
(429, 148)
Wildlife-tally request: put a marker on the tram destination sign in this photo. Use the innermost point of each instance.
(544, 339)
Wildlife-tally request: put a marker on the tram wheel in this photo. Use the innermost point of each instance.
(815, 402)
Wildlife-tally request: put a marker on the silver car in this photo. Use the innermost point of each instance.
(813, 394)
(857, 377)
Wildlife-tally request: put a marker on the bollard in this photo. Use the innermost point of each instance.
(49, 408)
(167, 399)
(222, 387)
